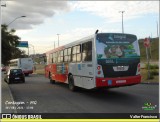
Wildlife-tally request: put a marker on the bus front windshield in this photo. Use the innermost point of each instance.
(116, 45)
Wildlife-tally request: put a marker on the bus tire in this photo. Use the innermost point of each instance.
(72, 87)
(26, 74)
(51, 81)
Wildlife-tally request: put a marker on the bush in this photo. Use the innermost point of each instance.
(154, 72)
(154, 66)
(151, 76)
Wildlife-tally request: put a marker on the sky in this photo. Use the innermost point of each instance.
(73, 20)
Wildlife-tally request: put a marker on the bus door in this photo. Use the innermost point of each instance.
(83, 68)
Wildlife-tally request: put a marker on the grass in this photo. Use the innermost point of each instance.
(40, 72)
(152, 66)
(154, 78)
(154, 72)
(40, 69)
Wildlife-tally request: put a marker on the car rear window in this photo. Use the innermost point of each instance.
(16, 71)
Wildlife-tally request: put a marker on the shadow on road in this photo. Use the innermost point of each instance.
(105, 94)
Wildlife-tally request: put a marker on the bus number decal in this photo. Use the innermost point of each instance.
(79, 66)
(109, 61)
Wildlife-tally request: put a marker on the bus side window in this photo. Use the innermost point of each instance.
(87, 51)
(61, 55)
(78, 53)
(50, 58)
(74, 54)
(65, 55)
(47, 58)
(55, 57)
(69, 54)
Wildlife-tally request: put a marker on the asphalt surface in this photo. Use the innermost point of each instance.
(37, 95)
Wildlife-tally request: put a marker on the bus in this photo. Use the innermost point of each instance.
(26, 64)
(100, 60)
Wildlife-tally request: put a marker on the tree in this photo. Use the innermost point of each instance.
(9, 43)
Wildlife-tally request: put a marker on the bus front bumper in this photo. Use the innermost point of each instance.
(117, 82)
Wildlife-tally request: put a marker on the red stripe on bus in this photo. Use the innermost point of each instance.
(115, 82)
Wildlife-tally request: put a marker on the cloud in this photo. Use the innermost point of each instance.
(64, 38)
(45, 43)
(110, 9)
(36, 11)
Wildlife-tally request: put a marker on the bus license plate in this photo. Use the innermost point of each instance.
(121, 81)
(120, 68)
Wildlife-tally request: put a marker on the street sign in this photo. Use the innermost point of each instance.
(23, 44)
(146, 42)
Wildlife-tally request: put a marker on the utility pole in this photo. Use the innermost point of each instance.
(58, 39)
(122, 20)
(157, 29)
(150, 54)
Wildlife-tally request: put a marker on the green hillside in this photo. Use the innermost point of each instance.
(154, 49)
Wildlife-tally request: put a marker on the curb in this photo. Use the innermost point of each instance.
(10, 95)
(153, 83)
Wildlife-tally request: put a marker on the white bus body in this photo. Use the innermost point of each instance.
(26, 64)
(100, 60)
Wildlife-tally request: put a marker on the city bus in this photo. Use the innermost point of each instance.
(26, 64)
(100, 60)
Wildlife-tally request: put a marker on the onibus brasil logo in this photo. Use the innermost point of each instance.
(148, 106)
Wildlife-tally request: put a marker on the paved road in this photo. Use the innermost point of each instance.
(37, 95)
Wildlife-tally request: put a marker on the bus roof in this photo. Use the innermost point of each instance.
(80, 41)
(71, 44)
(19, 58)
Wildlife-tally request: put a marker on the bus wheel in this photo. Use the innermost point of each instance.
(72, 87)
(26, 74)
(51, 81)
